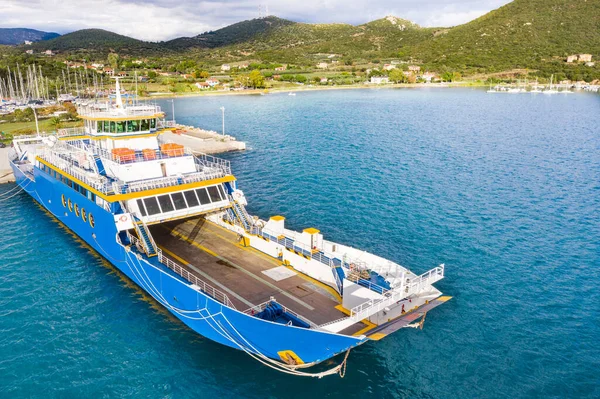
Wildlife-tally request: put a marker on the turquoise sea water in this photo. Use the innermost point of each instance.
(503, 189)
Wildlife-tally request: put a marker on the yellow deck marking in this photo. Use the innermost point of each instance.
(343, 310)
(377, 336)
(444, 298)
(364, 330)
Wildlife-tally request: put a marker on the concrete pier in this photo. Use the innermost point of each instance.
(6, 175)
(204, 141)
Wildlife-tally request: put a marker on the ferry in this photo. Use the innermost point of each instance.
(176, 224)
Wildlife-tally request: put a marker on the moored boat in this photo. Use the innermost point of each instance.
(176, 224)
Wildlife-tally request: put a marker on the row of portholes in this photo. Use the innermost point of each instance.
(78, 212)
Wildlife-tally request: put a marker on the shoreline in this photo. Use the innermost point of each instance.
(306, 88)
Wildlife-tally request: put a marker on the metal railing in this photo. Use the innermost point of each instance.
(137, 156)
(97, 111)
(376, 305)
(413, 286)
(259, 308)
(202, 285)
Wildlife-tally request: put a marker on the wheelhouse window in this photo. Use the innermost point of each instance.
(214, 194)
(165, 203)
(178, 201)
(203, 196)
(141, 207)
(151, 205)
(145, 123)
(190, 197)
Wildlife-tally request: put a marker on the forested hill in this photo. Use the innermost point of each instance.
(12, 36)
(520, 34)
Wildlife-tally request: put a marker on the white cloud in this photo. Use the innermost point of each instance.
(166, 19)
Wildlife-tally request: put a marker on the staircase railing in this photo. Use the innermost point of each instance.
(242, 215)
(202, 285)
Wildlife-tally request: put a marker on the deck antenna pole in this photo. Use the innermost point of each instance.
(223, 127)
(37, 127)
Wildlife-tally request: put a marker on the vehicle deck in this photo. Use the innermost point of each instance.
(216, 256)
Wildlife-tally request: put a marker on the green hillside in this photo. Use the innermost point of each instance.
(236, 33)
(97, 41)
(12, 36)
(521, 34)
(524, 34)
(302, 43)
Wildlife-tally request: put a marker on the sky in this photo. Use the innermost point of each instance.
(157, 20)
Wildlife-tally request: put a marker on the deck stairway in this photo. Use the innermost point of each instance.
(242, 216)
(99, 165)
(146, 237)
(413, 286)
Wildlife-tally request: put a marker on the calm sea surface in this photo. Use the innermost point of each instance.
(503, 189)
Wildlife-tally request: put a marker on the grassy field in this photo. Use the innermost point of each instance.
(17, 128)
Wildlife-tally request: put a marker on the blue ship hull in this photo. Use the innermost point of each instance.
(197, 310)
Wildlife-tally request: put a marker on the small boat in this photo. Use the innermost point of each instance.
(291, 94)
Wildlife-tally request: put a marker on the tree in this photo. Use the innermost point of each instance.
(56, 122)
(256, 79)
(113, 60)
(397, 76)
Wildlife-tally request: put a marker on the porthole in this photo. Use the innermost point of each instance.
(70, 205)
(64, 200)
(83, 215)
(76, 210)
(92, 222)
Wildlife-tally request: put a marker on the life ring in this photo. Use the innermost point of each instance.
(123, 218)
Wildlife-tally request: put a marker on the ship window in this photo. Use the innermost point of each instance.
(121, 126)
(165, 203)
(113, 126)
(145, 124)
(203, 196)
(151, 206)
(64, 201)
(99, 125)
(76, 210)
(191, 198)
(92, 221)
(152, 123)
(178, 201)
(133, 126)
(83, 215)
(222, 191)
(141, 207)
(214, 194)
(70, 205)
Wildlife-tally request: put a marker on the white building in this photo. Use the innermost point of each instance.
(225, 67)
(378, 80)
(322, 65)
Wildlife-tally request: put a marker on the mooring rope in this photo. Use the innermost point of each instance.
(17, 193)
